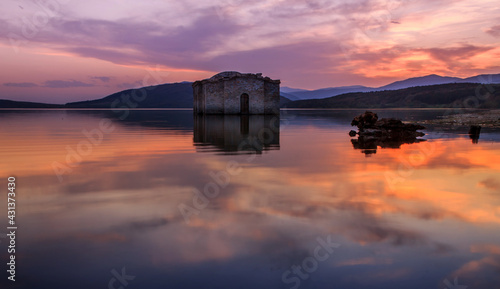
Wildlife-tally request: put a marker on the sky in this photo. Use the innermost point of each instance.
(59, 51)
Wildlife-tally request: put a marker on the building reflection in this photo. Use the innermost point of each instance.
(236, 134)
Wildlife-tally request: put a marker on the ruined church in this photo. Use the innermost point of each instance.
(231, 92)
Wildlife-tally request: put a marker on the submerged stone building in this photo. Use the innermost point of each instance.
(231, 92)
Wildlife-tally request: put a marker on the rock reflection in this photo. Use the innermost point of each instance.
(236, 134)
(474, 132)
(368, 145)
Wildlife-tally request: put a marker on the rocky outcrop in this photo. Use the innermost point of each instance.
(367, 119)
(385, 133)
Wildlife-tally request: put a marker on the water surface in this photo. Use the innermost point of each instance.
(101, 193)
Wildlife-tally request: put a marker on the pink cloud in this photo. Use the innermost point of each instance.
(451, 54)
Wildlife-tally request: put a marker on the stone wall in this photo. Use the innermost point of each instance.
(214, 104)
(271, 98)
(221, 94)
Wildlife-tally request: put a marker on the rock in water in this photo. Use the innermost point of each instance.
(385, 132)
(365, 120)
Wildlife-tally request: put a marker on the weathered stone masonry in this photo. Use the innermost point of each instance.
(232, 92)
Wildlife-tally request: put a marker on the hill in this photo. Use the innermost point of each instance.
(289, 96)
(483, 78)
(4, 103)
(432, 79)
(287, 89)
(433, 96)
(415, 92)
(284, 101)
(170, 95)
(327, 92)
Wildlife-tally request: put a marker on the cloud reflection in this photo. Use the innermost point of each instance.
(121, 203)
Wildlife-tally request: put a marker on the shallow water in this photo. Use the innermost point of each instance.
(103, 194)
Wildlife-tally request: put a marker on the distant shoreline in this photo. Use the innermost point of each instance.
(485, 118)
(282, 108)
(180, 96)
(90, 109)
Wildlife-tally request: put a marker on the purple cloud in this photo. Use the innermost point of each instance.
(136, 43)
(320, 38)
(4, 27)
(20, 84)
(102, 78)
(294, 57)
(65, 84)
(494, 31)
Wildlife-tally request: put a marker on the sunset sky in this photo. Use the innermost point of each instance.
(59, 51)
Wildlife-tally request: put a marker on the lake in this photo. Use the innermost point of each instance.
(162, 199)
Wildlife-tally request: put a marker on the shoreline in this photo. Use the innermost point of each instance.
(484, 118)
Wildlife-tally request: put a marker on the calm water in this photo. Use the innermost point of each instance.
(99, 197)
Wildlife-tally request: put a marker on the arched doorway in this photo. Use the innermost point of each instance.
(244, 104)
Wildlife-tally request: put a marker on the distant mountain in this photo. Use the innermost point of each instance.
(483, 78)
(432, 96)
(290, 90)
(327, 92)
(284, 101)
(180, 95)
(4, 103)
(170, 95)
(289, 96)
(432, 79)
(435, 79)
